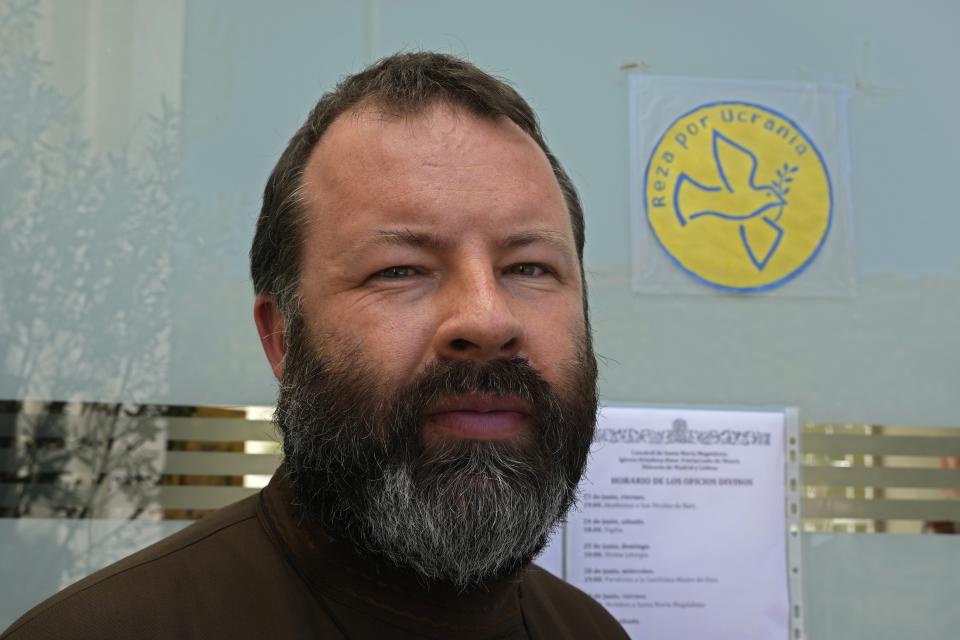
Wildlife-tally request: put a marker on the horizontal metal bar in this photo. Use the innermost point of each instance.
(880, 445)
(220, 429)
(209, 463)
(927, 510)
(172, 428)
(202, 463)
(43, 494)
(201, 497)
(169, 497)
(880, 477)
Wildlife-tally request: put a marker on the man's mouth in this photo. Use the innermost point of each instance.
(479, 417)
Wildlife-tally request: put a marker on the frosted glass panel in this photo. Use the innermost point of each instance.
(881, 587)
(134, 146)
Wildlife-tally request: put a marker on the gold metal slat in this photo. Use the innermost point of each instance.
(840, 445)
(47, 494)
(220, 429)
(167, 496)
(927, 510)
(9, 460)
(880, 477)
(173, 428)
(175, 463)
(219, 464)
(200, 497)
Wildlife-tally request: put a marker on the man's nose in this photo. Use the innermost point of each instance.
(478, 322)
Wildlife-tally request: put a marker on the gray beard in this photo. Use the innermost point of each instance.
(461, 512)
(464, 530)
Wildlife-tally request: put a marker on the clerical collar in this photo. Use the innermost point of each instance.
(332, 569)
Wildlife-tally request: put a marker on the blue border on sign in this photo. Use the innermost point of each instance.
(772, 285)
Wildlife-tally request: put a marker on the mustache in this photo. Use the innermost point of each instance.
(512, 377)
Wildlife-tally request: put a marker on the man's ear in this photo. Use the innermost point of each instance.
(269, 321)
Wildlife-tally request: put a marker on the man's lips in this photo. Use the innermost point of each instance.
(479, 417)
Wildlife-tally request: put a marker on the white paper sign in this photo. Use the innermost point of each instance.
(681, 530)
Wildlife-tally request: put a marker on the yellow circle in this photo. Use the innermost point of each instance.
(738, 196)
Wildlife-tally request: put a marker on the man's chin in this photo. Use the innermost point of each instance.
(443, 452)
(440, 442)
(464, 519)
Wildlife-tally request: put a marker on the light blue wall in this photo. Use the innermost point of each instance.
(248, 72)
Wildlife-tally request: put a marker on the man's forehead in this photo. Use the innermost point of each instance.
(371, 158)
(370, 133)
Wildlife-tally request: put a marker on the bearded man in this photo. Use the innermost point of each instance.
(420, 297)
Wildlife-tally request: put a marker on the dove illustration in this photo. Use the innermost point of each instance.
(737, 198)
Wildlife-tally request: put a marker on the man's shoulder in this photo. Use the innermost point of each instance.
(193, 544)
(550, 603)
(155, 581)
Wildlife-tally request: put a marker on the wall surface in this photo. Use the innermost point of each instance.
(235, 85)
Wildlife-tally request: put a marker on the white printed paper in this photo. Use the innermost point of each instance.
(681, 530)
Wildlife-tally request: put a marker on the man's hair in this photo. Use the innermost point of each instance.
(402, 84)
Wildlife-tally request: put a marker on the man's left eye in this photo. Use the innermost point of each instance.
(527, 269)
(396, 273)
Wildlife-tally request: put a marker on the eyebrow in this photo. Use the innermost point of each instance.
(409, 238)
(552, 238)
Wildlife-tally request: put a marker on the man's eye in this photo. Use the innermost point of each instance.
(396, 272)
(527, 269)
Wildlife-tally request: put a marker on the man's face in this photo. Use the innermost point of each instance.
(438, 392)
(440, 236)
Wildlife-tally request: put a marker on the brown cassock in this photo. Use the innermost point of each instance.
(250, 571)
